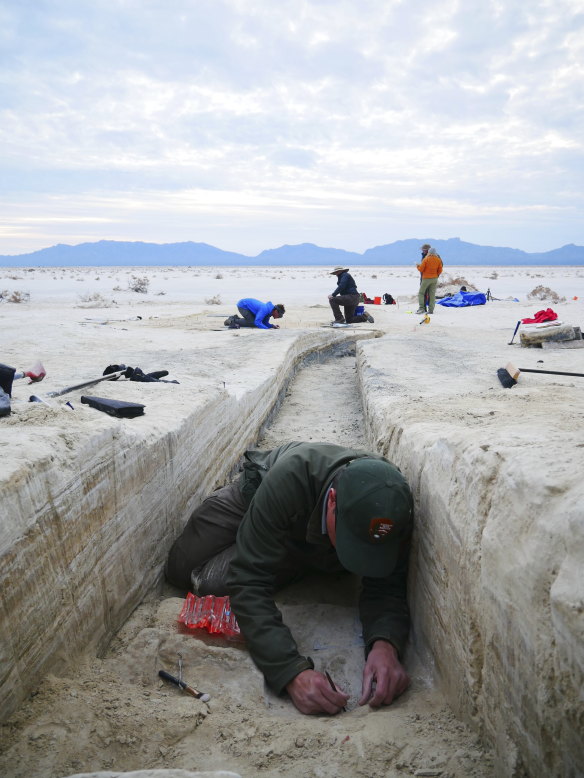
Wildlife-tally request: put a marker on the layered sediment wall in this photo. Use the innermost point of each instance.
(94, 503)
(497, 591)
(93, 507)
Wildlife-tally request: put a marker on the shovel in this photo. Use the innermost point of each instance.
(108, 377)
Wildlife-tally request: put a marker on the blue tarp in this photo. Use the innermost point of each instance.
(463, 299)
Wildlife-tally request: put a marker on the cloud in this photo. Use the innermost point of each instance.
(433, 108)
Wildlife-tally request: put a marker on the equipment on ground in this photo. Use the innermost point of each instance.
(515, 333)
(119, 408)
(108, 377)
(509, 374)
(184, 686)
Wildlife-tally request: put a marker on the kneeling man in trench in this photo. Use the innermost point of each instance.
(296, 508)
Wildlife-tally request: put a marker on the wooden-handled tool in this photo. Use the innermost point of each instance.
(509, 374)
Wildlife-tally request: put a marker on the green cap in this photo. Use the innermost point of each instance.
(374, 516)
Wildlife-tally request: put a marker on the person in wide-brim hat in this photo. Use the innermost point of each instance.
(347, 296)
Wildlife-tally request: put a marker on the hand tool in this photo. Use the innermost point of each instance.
(333, 687)
(509, 374)
(184, 686)
(108, 377)
(515, 333)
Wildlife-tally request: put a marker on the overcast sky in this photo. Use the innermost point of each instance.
(248, 124)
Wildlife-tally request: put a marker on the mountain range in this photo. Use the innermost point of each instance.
(402, 252)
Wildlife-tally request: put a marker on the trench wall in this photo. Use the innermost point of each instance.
(496, 587)
(89, 518)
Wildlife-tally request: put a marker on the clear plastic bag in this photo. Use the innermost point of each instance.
(210, 613)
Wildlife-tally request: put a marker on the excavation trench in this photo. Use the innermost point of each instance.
(495, 584)
(110, 711)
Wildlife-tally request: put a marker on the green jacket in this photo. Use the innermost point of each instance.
(284, 489)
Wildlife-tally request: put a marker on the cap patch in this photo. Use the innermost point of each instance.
(379, 529)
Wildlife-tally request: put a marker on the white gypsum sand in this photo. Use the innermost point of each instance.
(495, 591)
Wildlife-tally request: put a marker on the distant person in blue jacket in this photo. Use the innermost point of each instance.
(254, 313)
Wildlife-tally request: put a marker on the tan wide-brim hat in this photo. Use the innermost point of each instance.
(338, 270)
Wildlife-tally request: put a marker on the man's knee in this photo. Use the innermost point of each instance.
(211, 578)
(211, 528)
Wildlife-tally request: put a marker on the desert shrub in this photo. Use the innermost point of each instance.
(14, 297)
(218, 275)
(140, 285)
(94, 300)
(461, 281)
(216, 300)
(494, 275)
(545, 293)
(373, 276)
(447, 280)
(448, 286)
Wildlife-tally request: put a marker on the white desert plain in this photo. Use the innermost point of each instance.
(92, 503)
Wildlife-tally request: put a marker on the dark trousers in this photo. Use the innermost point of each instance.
(245, 319)
(206, 546)
(349, 303)
(210, 530)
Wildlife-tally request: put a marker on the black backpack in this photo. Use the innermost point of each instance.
(388, 299)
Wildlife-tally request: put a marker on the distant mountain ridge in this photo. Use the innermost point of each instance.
(402, 252)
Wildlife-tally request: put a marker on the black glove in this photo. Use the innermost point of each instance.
(113, 369)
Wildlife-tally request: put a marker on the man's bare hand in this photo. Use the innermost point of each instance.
(276, 326)
(311, 693)
(385, 670)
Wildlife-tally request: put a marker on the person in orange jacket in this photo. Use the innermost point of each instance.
(430, 269)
